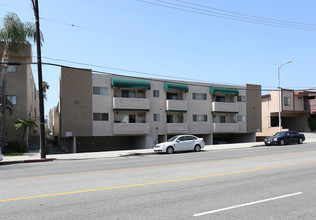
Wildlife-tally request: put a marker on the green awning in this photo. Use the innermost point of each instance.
(224, 112)
(176, 87)
(130, 109)
(176, 110)
(223, 90)
(130, 83)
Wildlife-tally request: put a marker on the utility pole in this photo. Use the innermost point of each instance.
(43, 144)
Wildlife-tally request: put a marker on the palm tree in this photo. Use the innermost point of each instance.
(45, 88)
(24, 124)
(14, 34)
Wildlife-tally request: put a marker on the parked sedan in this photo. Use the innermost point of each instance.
(285, 137)
(180, 143)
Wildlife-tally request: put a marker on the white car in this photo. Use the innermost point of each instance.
(180, 143)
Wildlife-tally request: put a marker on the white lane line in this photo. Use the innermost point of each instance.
(246, 204)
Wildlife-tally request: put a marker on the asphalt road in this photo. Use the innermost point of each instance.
(254, 183)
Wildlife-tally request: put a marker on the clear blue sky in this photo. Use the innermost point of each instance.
(178, 39)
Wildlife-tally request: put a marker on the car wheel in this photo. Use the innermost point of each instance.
(300, 140)
(170, 150)
(282, 142)
(197, 148)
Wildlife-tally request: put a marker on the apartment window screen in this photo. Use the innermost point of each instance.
(100, 116)
(12, 99)
(241, 98)
(241, 118)
(200, 118)
(199, 96)
(156, 93)
(287, 101)
(156, 117)
(100, 90)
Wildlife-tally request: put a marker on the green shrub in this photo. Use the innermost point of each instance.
(15, 147)
(312, 123)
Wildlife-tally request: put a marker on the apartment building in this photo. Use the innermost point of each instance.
(110, 112)
(21, 91)
(296, 107)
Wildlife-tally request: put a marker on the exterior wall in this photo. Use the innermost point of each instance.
(299, 103)
(21, 84)
(76, 102)
(199, 107)
(102, 104)
(253, 95)
(265, 106)
(290, 95)
(294, 115)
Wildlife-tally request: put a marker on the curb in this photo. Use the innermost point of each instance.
(26, 161)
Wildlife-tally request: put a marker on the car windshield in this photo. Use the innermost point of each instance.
(279, 134)
(173, 139)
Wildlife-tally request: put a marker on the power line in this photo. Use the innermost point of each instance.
(234, 86)
(247, 15)
(229, 17)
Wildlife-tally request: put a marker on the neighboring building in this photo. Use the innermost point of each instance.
(22, 93)
(296, 108)
(110, 112)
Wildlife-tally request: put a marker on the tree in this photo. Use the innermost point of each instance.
(14, 34)
(45, 88)
(24, 124)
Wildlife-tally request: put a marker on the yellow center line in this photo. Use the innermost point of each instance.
(160, 182)
(157, 166)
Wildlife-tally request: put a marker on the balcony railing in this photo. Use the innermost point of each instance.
(225, 127)
(310, 105)
(130, 128)
(177, 128)
(176, 105)
(224, 107)
(131, 103)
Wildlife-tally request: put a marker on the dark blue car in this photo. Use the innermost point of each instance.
(285, 137)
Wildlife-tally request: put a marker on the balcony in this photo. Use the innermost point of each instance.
(176, 105)
(130, 128)
(177, 128)
(310, 106)
(225, 127)
(225, 107)
(131, 104)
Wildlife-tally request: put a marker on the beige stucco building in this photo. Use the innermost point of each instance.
(21, 91)
(296, 108)
(110, 112)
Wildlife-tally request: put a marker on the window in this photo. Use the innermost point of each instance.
(11, 69)
(200, 118)
(172, 96)
(156, 93)
(156, 117)
(12, 99)
(241, 98)
(190, 138)
(174, 119)
(220, 98)
(241, 118)
(128, 94)
(199, 96)
(100, 90)
(100, 116)
(287, 101)
(128, 118)
(299, 97)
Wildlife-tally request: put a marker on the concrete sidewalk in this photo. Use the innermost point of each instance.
(35, 157)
